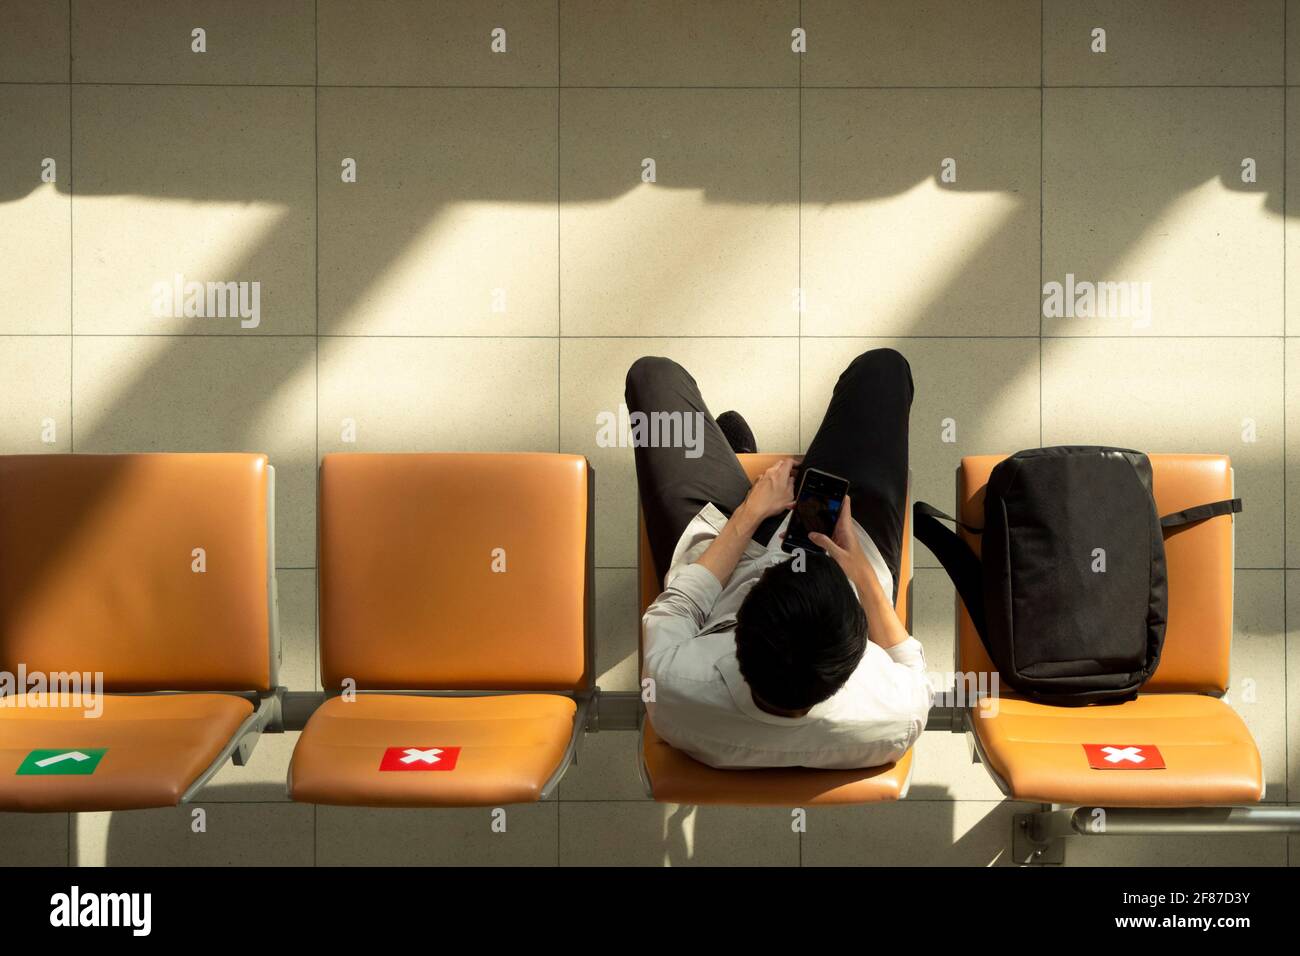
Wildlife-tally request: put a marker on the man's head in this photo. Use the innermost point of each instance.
(799, 634)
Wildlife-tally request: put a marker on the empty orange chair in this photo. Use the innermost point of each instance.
(146, 574)
(673, 777)
(455, 598)
(1040, 752)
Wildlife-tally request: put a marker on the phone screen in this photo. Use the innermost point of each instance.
(816, 508)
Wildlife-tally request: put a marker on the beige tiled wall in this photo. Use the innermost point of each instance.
(499, 262)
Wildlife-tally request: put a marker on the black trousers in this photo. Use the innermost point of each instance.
(862, 437)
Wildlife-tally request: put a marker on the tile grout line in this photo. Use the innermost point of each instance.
(802, 302)
(559, 266)
(72, 329)
(72, 324)
(524, 338)
(1042, 192)
(315, 811)
(559, 332)
(1286, 621)
(585, 86)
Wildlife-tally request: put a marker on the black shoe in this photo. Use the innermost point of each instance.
(738, 433)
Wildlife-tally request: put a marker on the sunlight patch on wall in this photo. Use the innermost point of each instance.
(1200, 255)
(34, 249)
(126, 246)
(883, 265)
(679, 262)
(477, 268)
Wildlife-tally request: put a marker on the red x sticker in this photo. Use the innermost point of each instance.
(420, 758)
(1124, 757)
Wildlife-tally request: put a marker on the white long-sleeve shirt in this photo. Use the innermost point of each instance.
(703, 706)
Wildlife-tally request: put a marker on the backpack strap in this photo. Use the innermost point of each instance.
(1214, 509)
(930, 511)
(957, 558)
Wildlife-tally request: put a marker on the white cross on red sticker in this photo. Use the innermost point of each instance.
(420, 758)
(1124, 757)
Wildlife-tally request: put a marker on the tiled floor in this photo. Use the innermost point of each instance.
(911, 180)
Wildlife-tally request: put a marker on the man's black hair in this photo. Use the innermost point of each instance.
(800, 633)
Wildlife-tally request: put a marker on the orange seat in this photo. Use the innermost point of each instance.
(1209, 755)
(154, 746)
(442, 575)
(678, 778)
(673, 777)
(510, 746)
(1036, 751)
(153, 572)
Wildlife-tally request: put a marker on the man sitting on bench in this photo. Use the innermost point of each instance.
(758, 660)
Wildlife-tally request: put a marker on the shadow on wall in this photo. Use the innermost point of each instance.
(243, 164)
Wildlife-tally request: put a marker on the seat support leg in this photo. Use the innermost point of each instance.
(243, 751)
(1036, 837)
(268, 714)
(269, 717)
(582, 718)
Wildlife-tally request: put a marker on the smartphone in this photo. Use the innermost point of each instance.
(816, 508)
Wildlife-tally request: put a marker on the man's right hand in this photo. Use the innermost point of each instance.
(773, 493)
(883, 626)
(844, 546)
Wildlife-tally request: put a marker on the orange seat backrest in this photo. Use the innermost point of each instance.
(97, 569)
(1199, 563)
(755, 465)
(412, 591)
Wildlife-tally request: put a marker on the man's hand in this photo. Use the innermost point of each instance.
(883, 626)
(844, 546)
(773, 492)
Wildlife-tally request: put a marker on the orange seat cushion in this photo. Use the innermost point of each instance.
(156, 746)
(1037, 751)
(99, 570)
(411, 594)
(678, 778)
(510, 745)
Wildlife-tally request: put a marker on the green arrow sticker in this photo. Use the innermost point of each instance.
(61, 763)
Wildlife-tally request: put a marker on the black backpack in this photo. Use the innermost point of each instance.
(1070, 595)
